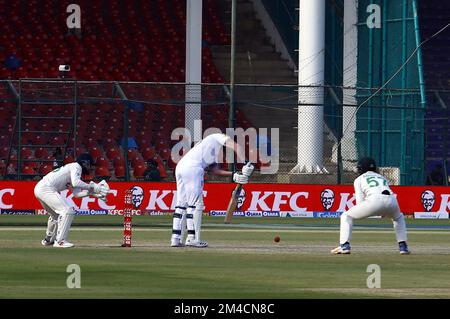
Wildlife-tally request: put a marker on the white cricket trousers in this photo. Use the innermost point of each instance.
(189, 191)
(58, 209)
(51, 199)
(375, 205)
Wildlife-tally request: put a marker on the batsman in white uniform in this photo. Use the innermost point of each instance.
(48, 189)
(189, 177)
(373, 198)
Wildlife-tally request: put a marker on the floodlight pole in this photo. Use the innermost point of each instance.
(232, 111)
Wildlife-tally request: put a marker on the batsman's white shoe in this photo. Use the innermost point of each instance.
(44, 242)
(343, 249)
(176, 242)
(195, 243)
(63, 244)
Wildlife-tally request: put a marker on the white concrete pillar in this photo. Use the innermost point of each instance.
(311, 70)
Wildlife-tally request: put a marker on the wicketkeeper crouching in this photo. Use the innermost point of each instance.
(48, 192)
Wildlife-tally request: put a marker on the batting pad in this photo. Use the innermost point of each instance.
(198, 213)
(64, 223)
(52, 227)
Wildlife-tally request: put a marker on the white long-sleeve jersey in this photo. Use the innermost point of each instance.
(205, 152)
(369, 184)
(69, 173)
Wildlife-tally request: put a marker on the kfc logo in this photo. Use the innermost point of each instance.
(137, 196)
(327, 198)
(428, 200)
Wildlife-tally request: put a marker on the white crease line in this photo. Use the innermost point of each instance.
(275, 230)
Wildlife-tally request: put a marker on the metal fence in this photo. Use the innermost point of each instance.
(126, 125)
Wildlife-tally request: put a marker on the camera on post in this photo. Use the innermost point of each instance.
(64, 68)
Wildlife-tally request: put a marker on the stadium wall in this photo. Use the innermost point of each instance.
(257, 200)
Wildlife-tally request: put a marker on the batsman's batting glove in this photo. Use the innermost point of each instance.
(247, 169)
(240, 178)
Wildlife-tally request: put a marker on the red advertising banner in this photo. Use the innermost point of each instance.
(293, 198)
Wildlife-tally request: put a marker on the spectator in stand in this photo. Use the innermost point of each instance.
(2, 168)
(436, 176)
(57, 154)
(10, 172)
(152, 171)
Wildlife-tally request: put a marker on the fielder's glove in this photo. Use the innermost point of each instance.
(240, 178)
(247, 169)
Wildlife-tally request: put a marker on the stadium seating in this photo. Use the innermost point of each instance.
(129, 41)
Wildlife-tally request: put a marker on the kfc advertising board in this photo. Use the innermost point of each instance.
(256, 200)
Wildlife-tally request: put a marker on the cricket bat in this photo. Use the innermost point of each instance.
(233, 203)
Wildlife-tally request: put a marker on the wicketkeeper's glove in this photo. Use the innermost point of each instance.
(98, 189)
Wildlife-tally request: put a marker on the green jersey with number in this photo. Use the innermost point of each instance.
(369, 184)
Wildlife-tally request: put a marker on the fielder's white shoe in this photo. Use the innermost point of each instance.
(63, 244)
(44, 242)
(176, 242)
(343, 249)
(195, 243)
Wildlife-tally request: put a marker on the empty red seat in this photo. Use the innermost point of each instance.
(165, 154)
(160, 145)
(68, 159)
(4, 140)
(91, 142)
(41, 152)
(102, 162)
(119, 171)
(136, 161)
(26, 153)
(112, 152)
(118, 161)
(109, 143)
(28, 170)
(4, 152)
(102, 172)
(138, 171)
(33, 164)
(148, 153)
(57, 140)
(45, 169)
(95, 152)
(132, 152)
(38, 140)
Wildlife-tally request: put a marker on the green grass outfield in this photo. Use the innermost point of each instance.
(241, 262)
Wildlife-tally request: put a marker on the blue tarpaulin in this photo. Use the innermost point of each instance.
(12, 62)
